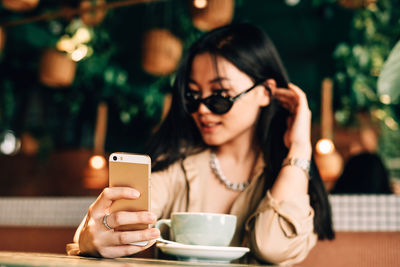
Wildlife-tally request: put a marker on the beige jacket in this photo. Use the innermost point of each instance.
(278, 233)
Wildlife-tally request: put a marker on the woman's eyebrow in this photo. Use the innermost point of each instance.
(193, 82)
(215, 80)
(218, 80)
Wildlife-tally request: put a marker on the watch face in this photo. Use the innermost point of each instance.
(300, 163)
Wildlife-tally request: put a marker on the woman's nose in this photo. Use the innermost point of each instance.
(203, 109)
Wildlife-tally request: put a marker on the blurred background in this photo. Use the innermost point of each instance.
(80, 79)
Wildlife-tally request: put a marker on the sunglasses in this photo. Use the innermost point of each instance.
(216, 103)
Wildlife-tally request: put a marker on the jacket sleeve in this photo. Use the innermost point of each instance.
(282, 232)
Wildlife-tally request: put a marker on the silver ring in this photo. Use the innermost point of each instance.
(105, 222)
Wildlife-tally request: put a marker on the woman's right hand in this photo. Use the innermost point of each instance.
(97, 240)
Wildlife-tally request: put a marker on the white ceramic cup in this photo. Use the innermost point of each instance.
(199, 228)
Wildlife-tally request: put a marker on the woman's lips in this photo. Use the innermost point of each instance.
(208, 127)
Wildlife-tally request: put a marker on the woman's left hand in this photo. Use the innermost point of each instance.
(298, 134)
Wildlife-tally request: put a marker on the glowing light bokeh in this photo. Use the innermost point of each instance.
(82, 35)
(325, 146)
(391, 123)
(65, 45)
(79, 53)
(385, 99)
(200, 3)
(292, 2)
(97, 162)
(10, 144)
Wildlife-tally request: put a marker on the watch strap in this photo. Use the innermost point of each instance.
(303, 164)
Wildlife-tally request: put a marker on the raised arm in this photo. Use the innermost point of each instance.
(282, 227)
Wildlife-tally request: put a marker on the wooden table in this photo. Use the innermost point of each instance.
(48, 259)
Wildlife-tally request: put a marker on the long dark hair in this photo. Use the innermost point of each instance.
(251, 51)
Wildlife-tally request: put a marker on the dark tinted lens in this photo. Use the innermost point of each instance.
(218, 104)
(192, 104)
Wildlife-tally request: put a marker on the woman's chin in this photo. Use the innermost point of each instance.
(212, 141)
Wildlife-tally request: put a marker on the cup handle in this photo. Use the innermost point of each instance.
(158, 225)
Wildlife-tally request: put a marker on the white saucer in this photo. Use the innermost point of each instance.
(203, 253)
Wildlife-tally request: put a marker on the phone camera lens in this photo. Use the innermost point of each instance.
(115, 158)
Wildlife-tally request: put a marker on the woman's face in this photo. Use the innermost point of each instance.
(238, 124)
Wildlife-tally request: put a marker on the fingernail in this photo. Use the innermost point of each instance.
(152, 217)
(135, 193)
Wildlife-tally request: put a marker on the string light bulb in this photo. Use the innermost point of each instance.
(10, 144)
(391, 123)
(79, 53)
(82, 35)
(65, 44)
(97, 162)
(292, 2)
(385, 99)
(200, 4)
(325, 146)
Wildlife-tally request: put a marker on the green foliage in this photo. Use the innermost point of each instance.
(367, 78)
(374, 31)
(111, 72)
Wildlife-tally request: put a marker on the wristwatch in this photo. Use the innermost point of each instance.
(303, 164)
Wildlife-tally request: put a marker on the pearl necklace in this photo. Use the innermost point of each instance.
(216, 168)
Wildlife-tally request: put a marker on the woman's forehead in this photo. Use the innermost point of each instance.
(216, 68)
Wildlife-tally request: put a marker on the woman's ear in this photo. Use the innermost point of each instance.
(267, 92)
(271, 83)
(264, 97)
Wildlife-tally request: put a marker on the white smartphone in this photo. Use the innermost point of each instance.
(131, 170)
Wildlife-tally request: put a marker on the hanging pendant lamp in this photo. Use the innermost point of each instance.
(161, 52)
(20, 5)
(56, 69)
(210, 14)
(93, 17)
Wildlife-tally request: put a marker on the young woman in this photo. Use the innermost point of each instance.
(236, 140)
